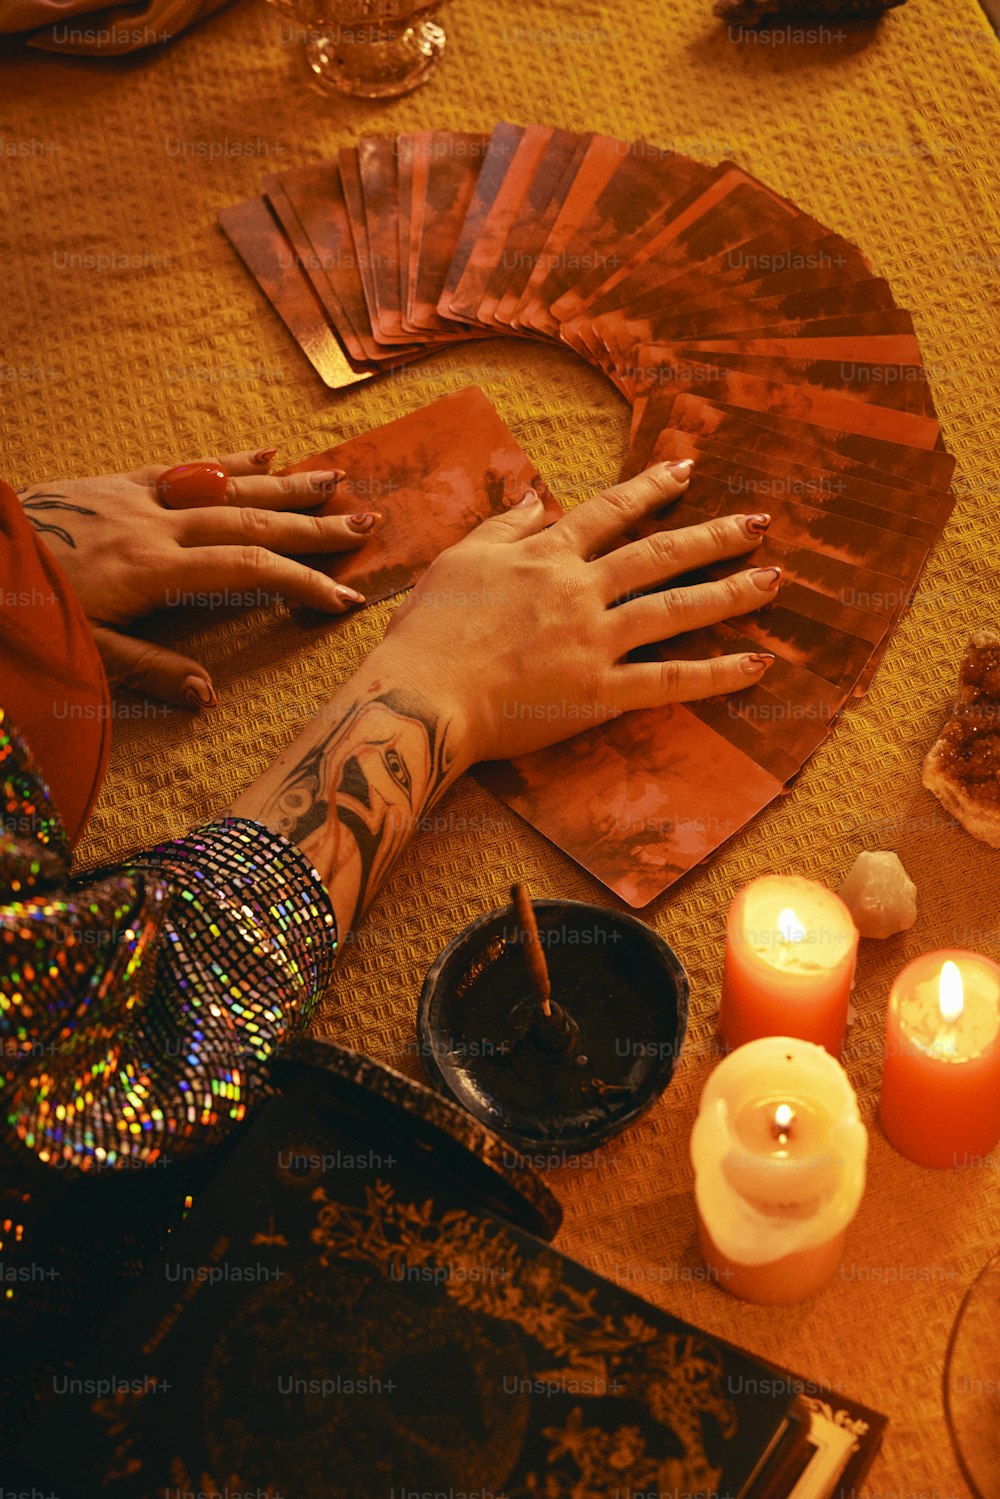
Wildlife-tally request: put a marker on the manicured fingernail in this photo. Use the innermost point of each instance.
(757, 664)
(528, 498)
(766, 578)
(326, 479)
(265, 455)
(756, 524)
(198, 691)
(364, 520)
(349, 595)
(681, 469)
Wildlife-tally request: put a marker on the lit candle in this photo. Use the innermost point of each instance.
(940, 1102)
(779, 1155)
(791, 946)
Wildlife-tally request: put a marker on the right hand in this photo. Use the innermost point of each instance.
(513, 630)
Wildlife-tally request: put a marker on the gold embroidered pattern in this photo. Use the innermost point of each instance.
(483, 1267)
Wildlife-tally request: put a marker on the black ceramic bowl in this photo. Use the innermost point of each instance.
(619, 981)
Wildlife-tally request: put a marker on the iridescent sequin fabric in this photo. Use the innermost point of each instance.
(139, 1005)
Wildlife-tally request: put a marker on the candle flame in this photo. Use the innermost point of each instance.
(790, 926)
(951, 996)
(781, 1123)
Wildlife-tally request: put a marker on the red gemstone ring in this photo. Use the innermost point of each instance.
(190, 486)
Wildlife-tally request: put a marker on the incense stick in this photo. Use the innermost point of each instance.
(538, 969)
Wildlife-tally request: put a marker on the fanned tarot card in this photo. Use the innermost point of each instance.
(745, 334)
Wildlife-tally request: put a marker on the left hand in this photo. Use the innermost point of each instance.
(126, 554)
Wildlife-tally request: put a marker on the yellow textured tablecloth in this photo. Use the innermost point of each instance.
(171, 353)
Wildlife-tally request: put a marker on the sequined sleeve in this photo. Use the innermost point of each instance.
(139, 1005)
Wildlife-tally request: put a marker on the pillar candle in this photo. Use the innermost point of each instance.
(779, 1154)
(940, 1103)
(791, 946)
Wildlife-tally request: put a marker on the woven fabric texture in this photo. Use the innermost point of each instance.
(132, 333)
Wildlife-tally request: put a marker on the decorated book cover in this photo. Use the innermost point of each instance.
(356, 1307)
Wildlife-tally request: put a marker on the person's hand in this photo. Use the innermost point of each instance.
(126, 554)
(519, 633)
(514, 639)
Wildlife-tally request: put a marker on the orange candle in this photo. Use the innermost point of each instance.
(779, 1154)
(940, 1102)
(791, 946)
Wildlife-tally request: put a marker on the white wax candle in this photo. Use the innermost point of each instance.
(779, 1153)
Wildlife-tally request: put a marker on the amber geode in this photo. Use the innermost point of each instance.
(751, 12)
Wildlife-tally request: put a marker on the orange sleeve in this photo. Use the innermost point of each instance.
(52, 683)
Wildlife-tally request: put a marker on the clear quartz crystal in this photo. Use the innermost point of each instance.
(880, 895)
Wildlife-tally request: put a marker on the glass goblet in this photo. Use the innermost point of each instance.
(972, 1383)
(367, 49)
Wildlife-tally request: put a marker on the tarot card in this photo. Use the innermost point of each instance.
(882, 348)
(622, 341)
(407, 241)
(315, 194)
(756, 477)
(446, 167)
(505, 210)
(406, 246)
(792, 707)
(659, 319)
(907, 465)
(280, 206)
(638, 801)
(433, 475)
(499, 154)
(719, 220)
(378, 170)
(404, 226)
(537, 209)
(598, 167)
(767, 450)
(803, 403)
(833, 598)
(837, 633)
(614, 340)
(800, 249)
(862, 594)
(824, 530)
(526, 242)
(257, 238)
(550, 281)
(880, 369)
(745, 272)
(366, 253)
(846, 582)
(648, 188)
(838, 656)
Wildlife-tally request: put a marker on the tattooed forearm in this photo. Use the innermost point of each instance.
(351, 793)
(37, 502)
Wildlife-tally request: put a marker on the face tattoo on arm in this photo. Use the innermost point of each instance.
(353, 797)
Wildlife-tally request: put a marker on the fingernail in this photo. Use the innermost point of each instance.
(327, 480)
(756, 524)
(364, 520)
(528, 498)
(757, 664)
(766, 578)
(349, 595)
(198, 691)
(265, 455)
(681, 469)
